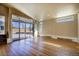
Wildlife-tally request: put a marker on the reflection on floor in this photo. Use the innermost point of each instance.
(41, 46)
(16, 37)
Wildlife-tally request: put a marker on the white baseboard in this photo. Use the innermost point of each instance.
(64, 37)
(9, 40)
(54, 36)
(45, 35)
(75, 39)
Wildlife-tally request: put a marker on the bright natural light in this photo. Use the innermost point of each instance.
(2, 24)
(65, 19)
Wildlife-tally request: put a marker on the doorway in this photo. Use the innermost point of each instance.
(21, 29)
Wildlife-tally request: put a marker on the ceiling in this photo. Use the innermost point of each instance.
(43, 11)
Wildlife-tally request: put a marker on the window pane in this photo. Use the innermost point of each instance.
(22, 30)
(2, 24)
(15, 29)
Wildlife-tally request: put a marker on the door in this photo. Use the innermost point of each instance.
(15, 30)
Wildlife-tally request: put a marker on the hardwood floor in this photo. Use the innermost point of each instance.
(42, 46)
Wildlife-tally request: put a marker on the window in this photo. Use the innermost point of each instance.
(65, 19)
(2, 24)
(15, 25)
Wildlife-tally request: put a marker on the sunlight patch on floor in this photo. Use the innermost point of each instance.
(52, 44)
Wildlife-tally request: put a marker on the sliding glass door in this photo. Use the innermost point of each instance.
(15, 30)
(29, 29)
(21, 29)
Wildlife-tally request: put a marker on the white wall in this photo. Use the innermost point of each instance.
(63, 30)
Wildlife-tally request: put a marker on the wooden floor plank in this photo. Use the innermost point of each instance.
(41, 46)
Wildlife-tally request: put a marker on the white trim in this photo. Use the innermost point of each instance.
(75, 39)
(45, 35)
(54, 36)
(9, 40)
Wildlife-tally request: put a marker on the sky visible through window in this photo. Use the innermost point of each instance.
(22, 25)
(2, 24)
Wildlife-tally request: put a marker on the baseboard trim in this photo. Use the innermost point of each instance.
(9, 40)
(74, 39)
(56, 36)
(45, 35)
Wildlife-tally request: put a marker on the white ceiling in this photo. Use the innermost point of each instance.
(42, 11)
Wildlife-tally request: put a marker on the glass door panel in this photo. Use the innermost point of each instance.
(29, 30)
(15, 30)
(22, 30)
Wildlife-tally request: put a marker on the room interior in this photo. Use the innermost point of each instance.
(39, 29)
